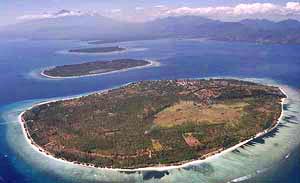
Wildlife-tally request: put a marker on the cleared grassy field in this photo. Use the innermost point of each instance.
(189, 111)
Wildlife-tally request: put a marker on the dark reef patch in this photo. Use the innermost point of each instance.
(259, 141)
(203, 168)
(236, 151)
(290, 119)
(285, 107)
(282, 125)
(147, 175)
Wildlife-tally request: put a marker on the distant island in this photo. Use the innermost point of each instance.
(94, 68)
(98, 50)
(154, 123)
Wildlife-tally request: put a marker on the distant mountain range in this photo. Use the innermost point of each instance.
(96, 27)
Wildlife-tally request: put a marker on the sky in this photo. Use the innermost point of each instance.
(13, 11)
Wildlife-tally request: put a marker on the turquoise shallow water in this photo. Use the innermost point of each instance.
(260, 160)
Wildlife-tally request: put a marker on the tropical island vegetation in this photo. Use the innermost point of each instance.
(151, 123)
(93, 68)
(98, 50)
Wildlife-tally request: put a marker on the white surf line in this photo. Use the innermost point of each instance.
(153, 168)
(152, 63)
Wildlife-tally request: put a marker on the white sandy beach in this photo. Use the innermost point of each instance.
(153, 168)
(152, 63)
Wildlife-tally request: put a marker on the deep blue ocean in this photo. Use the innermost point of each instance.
(21, 61)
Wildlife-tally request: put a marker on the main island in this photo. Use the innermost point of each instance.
(94, 68)
(153, 123)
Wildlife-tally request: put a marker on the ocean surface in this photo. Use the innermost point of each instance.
(273, 158)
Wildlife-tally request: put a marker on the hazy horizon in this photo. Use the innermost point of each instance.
(141, 11)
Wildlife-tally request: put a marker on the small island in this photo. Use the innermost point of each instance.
(94, 68)
(154, 123)
(98, 50)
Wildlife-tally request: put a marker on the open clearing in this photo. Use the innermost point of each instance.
(189, 111)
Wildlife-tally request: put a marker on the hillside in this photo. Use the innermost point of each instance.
(96, 27)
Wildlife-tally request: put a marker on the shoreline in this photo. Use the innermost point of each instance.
(181, 164)
(151, 63)
(93, 53)
(67, 52)
(115, 49)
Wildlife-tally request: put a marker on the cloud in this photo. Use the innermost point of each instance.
(61, 13)
(139, 8)
(256, 9)
(235, 12)
(116, 10)
(294, 6)
(159, 6)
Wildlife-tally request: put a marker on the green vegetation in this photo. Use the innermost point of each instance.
(98, 50)
(90, 68)
(147, 123)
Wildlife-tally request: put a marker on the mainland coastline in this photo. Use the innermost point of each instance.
(155, 168)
